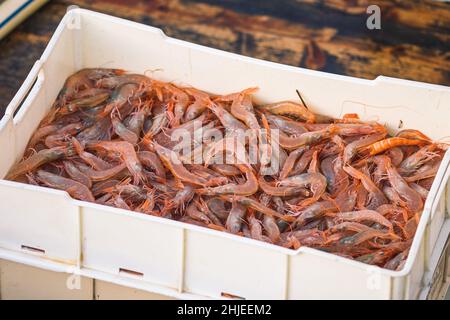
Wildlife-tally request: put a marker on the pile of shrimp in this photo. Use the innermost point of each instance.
(343, 186)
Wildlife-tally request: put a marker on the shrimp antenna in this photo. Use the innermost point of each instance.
(300, 96)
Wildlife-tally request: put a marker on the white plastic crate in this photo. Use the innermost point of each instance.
(182, 260)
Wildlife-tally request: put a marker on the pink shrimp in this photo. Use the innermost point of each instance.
(76, 189)
(411, 197)
(365, 215)
(376, 196)
(127, 154)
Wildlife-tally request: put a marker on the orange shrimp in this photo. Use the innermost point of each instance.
(388, 143)
(172, 162)
(412, 134)
(38, 159)
(290, 109)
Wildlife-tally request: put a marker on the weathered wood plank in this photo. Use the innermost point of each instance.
(414, 42)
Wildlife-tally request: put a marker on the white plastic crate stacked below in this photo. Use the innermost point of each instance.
(147, 251)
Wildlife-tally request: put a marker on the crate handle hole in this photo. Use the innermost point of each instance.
(231, 296)
(33, 249)
(131, 272)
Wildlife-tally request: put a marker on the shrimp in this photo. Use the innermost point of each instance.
(216, 222)
(200, 104)
(83, 103)
(76, 174)
(315, 181)
(114, 82)
(396, 155)
(62, 135)
(314, 211)
(226, 169)
(172, 162)
(211, 176)
(83, 79)
(411, 197)
(98, 131)
(314, 165)
(310, 237)
(326, 166)
(421, 190)
(396, 262)
(182, 197)
(246, 189)
(271, 228)
(256, 231)
(123, 132)
(412, 134)
(76, 189)
(290, 109)
(365, 235)
(181, 99)
(193, 212)
(352, 148)
(303, 162)
(341, 178)
(427, 171)
(253, 204)
(346, 199)
(287, 125)
(119, 98)
(388, 143)
(235, 217)
(101, 175)
(38, 159)
(94, 161)
(217, 206)
(417, 159)
(365, 215)
(376, 196)
(382, 255)
(290, 161)
(307, 138)
(127, 154)
(151, 160)
(136, 121)
(229, 122)
(41, 133)
(281, 191)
